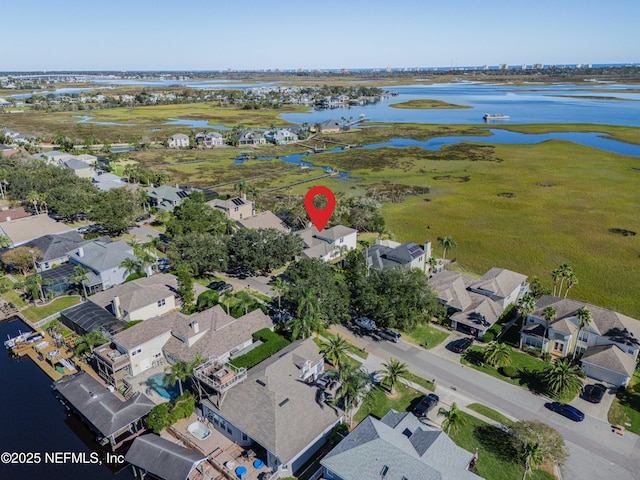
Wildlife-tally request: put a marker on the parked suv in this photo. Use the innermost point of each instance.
(461, 346)
(390, 335)
(426, 403)
(366, 323)
(594, 393)
(220, 287)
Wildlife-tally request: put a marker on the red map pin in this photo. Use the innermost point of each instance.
(320, 216)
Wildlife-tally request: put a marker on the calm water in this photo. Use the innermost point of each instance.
(32, 420)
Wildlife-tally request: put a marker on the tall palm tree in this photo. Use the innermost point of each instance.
(555, 275)
(562, 377)
(549, 315)
(85, 343)
(178, 372)
(433, 263)
(565, 272)
(34, 198)
(240, 187)
(153, 245)
(532, 455)
(131, 265)
(225, 299)
(526, 305)
(572, 279)
(446, 243)
(452, 418)
(584, 317)
(335, 351)
(498, 354)
(79, 277)
(280, 287)
(392, 371)
(245, 300)
(354, 386)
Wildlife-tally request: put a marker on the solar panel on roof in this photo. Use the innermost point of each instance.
(182, 194)
(237, 201)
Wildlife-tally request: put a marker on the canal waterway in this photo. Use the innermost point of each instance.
(32, 420)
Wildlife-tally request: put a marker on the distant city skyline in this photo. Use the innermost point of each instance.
(357, 34)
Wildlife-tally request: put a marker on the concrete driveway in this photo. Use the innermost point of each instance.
(142, 233)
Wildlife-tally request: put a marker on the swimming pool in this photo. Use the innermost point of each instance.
(157, 382)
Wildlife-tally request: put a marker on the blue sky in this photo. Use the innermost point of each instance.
(249, 34)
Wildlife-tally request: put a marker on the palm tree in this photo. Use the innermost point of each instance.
(245, 300)
(392, 371)
(565, 272)
(335, 351)
(307, 315)
(130, 266)
(446, 243)
(572, 279)
(562, 377)
(5, 241)
(280, 287)
(179, 372)
(240, 187)
(85, 343)
(532, 455)
(353, 388)
(226, 299)
(556, 274)
(79, 277)
(452, 418)
(34, 198)
(584, 317)
(153, 245)
(549, 315)
(433, 263)
(498, 354)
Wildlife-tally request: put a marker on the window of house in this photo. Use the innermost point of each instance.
(584, 336)
(229, 428)
(135, 352)
(341, 240)
(161, 302)
(157, 355)
(245, 437)
(580, 351)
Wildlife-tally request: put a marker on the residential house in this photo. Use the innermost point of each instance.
(474, 305)
(107, 181)
(140, 299)
(104, 413)
(88, 317)
(274, 404)
(160, 458)
(266, 219)
(281, 136)
(53, 157)
(250, 137)
(103, 259)
(237, 208)
(80, 168)
(398, 446)
(176, 337)
(328, 244)
(389, 254)
(54, 248)
(608, 347)
(87, 158)
(167, 197)
(330, 126)
(209, 139)
(8, 214)
(179, 140)
(25, 229)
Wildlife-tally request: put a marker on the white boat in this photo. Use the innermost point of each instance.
(12, 342)
(495, 116)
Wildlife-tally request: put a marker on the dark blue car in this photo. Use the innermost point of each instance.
(567, 410)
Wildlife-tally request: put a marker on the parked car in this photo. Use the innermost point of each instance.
(390, 335)
(323, 380)
(461, 346)
(366, 323)
(426, 403)
(594, 393)
(568, 411)
(163, 264)
(220, 287)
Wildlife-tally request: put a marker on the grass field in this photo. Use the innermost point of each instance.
(427, 104)
(625, 409)
(34, 313)
(426, 336)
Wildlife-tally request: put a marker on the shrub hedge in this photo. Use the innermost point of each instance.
(272, 343)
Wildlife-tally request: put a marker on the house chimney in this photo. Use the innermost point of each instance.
(117, 311)
(81, 251)
(427, 249)
(195, 327)
(8, 219)
(244, 197)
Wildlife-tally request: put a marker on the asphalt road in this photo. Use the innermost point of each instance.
(595, 451)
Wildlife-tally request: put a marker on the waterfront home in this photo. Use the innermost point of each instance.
(79, 168)
(398, 446)
(88, 317)
(107, 415)
(474, 305)
(209, 139)
(103, 258)
(54, 248)
(281, 136)
(25, 229)
(329, 243)
(608, 347)
(237, 208)
(140, 299)
(265, 219)
(107, 181)
(167, 197)
(274, 404)
(250, 137)
(330, 126)
(179, 140)
(176, 337)
(389, 254)
(154, 455)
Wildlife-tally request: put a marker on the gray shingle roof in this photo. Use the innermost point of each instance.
(138, 293)
(163, 458)
(100, 407)
(259, 408)
(406, 447)
(499, 281)
(100, 256)
(56, 245)
(611, 358)
(75, 164)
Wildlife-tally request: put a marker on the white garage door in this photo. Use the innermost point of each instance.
(603, 375)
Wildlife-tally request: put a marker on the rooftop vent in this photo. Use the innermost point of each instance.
(283, 402)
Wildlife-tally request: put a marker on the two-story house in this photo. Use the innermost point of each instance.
(390, 254)
(54, 248)
(328, 244)
(209, 139)
(179, 140)
(608, 346)
(250, 137)
(167, 197)
(237, 208)
(281, 136)
(270, 403)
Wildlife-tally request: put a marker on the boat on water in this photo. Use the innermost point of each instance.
(495, 116)
(12, 342)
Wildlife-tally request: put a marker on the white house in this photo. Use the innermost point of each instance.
(390, 254)
(179, 140)
(329, 243)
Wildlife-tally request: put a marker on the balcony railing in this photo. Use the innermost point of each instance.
(218, 375)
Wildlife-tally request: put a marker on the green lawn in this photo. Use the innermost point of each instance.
(34, 313)
(427, 336)
(490, 413)
(15, 298)
(379, 403)
(626, 406)
(423, 382)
